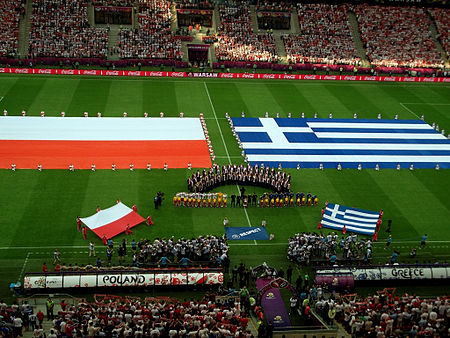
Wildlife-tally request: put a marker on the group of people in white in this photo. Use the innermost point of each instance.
(236, 40)
(325, 36)
(398, 36)
(153, 38)
(10, 11)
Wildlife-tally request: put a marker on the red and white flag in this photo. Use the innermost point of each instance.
(112, 221)
(57, 142)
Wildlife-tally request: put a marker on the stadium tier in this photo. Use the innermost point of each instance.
(10, 12)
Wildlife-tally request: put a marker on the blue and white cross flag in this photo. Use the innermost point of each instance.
(311, 142)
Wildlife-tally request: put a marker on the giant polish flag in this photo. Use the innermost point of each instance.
(310, 142)
(57, 142)
(112, 221)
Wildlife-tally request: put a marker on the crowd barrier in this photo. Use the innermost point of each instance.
(131, 73)
(126, 278)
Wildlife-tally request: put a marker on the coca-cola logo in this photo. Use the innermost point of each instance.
(268, 76)
(350, 78)
(330, 77)
(310, 77)
(289, 77)
(370, 78)
(44, 71)
(409, 79)
(445, 79)
(2, 70)
(136, 73)
(389, 78)
(21, 71)
(90, 72)
(177, 74)
(428, 79)
(155, 74)
(67, 71)
(227, 75)
(248, 76)
(112, 72)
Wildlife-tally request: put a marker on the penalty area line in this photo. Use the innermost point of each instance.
(409, 110)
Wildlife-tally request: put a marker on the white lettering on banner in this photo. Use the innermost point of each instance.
(310, 77)
(67, 72)
(389, 78)
(158, 74)
(227, 75)
(289, 77)
(444, 79)
(329, 77)
(135, 73)
(248, 76)
(112, 72)
(350, 78)
(21, 71)
(44, 71)
(90, 72)
(369, 78)
(428, 79)
(177, 74)
(205, 74)
(2, 70)
(268, 76)
(409, 79)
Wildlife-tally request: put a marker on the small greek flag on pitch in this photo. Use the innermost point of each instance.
(348, 142)
(355, 220)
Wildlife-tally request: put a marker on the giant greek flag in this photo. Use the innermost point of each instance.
(310, 142)
(355, 220)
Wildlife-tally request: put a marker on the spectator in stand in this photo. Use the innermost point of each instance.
(325, 36)
(236, 40)
(10, 13)
(388, 315)
(60, 28)
(125, 318)
(442, 19)
(398, 36)
(154, 38)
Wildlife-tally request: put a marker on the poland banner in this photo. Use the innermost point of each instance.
(112, 221)
(60, 142)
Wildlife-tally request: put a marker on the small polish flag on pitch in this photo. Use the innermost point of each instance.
(112, 221)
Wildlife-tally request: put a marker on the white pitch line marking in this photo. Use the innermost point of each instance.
(406, 108)
(225, 145)
(24, 266)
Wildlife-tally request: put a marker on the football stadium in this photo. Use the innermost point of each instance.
(224, 168)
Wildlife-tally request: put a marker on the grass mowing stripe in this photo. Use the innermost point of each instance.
(225, 146)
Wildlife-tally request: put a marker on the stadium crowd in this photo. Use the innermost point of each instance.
(441, 17)
(306, 247)
(197, 4)
(397, 36)
(325, 36)
(154, 38)
(130, 317)
(116, 3)
(387, 315)
(274, 6)
(60, 28)
(236, 40)
(270, 178)
(10, 12)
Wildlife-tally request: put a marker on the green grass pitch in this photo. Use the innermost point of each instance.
(38, 209)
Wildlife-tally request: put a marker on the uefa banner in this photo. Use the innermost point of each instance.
(93, 72)
(392, 272)
(122, 279)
